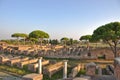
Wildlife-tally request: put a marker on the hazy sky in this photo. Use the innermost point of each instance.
(59, 18)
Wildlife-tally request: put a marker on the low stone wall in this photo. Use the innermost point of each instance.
(16, 60)
(33, 67)
(21, 64)
(3, 59)
(53, 68)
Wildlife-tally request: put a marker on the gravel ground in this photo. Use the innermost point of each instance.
(5, 76)
(104, 77)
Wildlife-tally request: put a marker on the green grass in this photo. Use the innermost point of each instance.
(14, 70)
(81, 72)
(57, 75)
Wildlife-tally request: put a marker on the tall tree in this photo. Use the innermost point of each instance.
(110, 33)
(87, 38)
(24, 36)
(64, 40)
(38, 34)
(33, 40)
(54, 42)
(71, 41)
(16, 35)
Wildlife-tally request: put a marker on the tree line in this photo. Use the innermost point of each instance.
(108, 33)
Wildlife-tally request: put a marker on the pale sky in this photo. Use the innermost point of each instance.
(59, 18)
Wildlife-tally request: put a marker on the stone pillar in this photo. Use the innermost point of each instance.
(65, 69)
(40, 65)
(99, 71)
(117, 68)
(91, 69)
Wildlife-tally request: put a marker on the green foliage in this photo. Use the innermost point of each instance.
(96, 71)
(9, 41)
(110, 33)
(38, 34)
(86, 37)
(13, 70)
(57, 75)
(71, 41)
(34, 40)
(101, 57)
(75, 41)
(64, 39)
(16, 35)
(54, 42)
(81, 72)
(23, 35)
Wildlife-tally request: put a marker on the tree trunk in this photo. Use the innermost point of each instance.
(24, 40)
(40, 41)
(115, 49)
(18, 41)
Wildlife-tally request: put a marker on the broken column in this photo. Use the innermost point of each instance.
(40, 65)
(99, 71)
(117, 68)
(35, 76)
(65, 69)
(91, 69)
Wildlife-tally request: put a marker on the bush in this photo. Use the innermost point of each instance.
(81, 72)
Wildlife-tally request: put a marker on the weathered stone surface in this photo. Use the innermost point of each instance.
(53, 68)
(33, 67)
(75, 71)
(90, 69)
(3, 59)
(104, 77)
(33, 76)
(117, 68)
(13, 61)
(21, 64)
(82, 78)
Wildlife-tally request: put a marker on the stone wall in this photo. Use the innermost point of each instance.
(11, 62)
(107, 52)
(53, 68)
(33, 67)
(21, 64)
(3, 59)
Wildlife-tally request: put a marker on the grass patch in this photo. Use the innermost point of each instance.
(14, 70)
(57, 75)
(81, 72)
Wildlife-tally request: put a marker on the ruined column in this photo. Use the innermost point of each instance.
(65, 69)
(99, 71)
(117, 68)
(40, 65)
